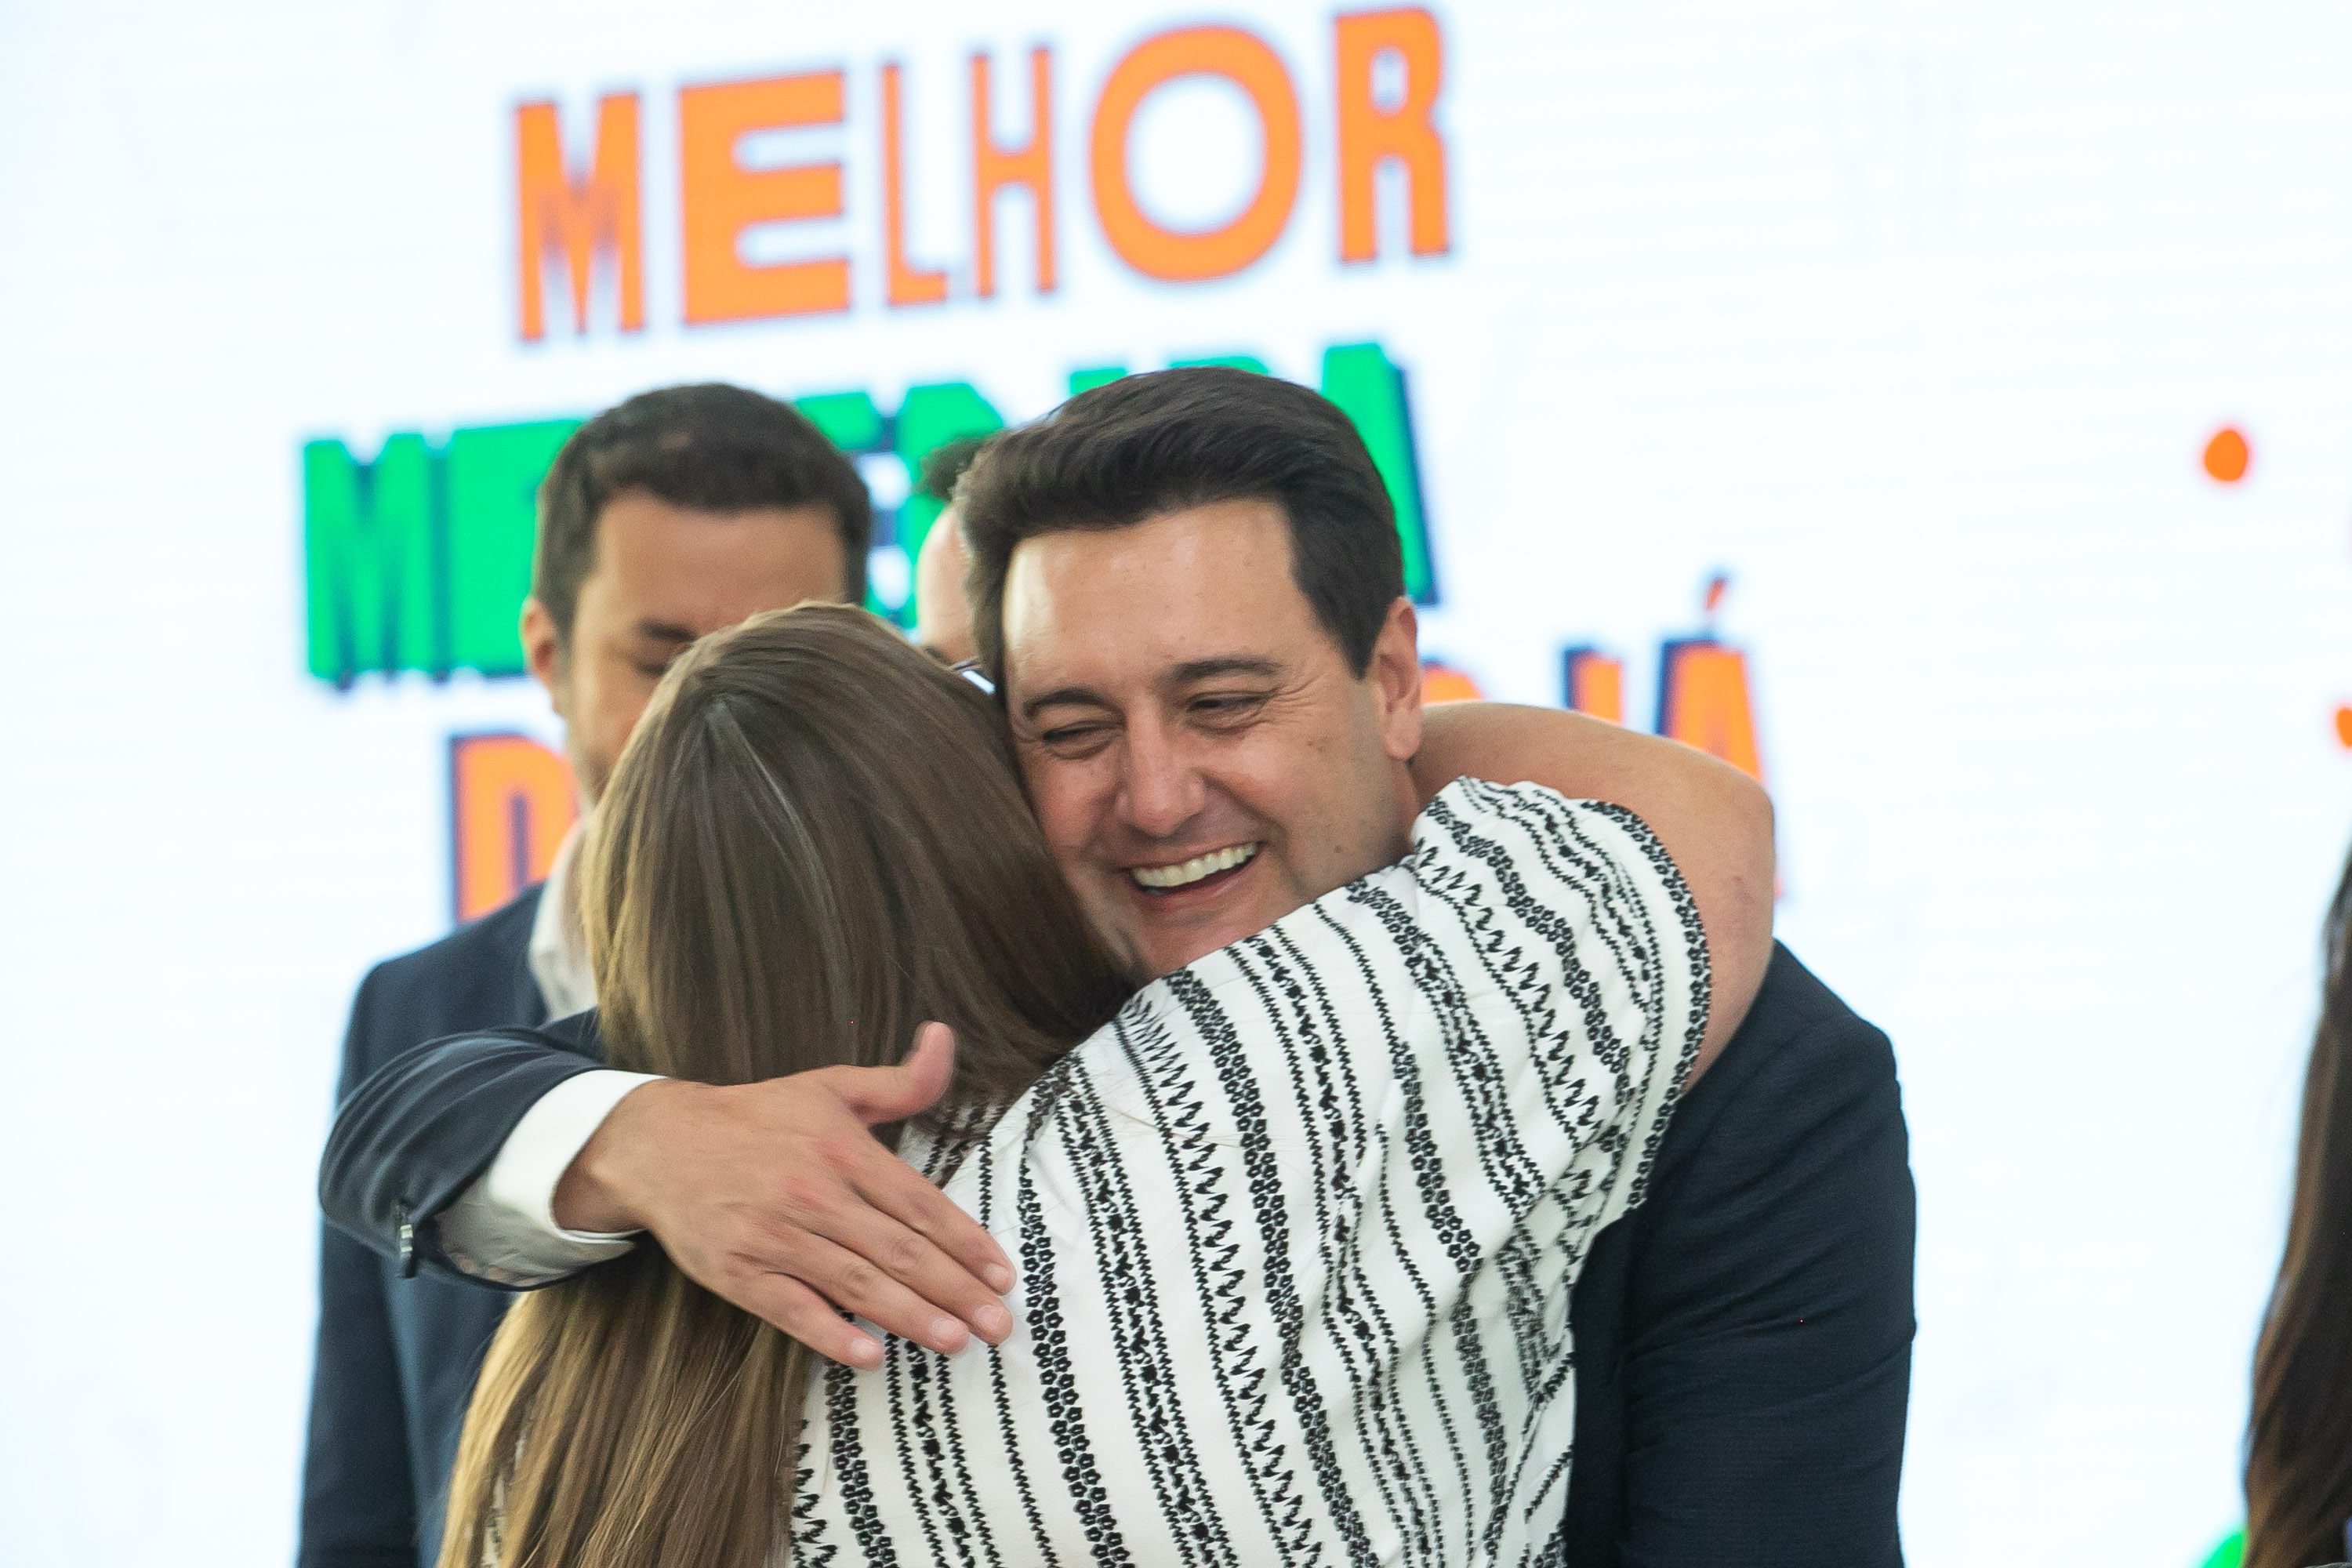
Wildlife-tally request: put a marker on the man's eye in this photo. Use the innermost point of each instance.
(1226, 708)
(655, 670)
(1071, 738)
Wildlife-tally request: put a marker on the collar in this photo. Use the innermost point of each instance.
(559, 942)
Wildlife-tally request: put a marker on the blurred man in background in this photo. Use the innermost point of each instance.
(674, 514)
(942, 617)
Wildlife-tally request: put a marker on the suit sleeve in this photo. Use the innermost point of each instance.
(422, 1128)
(1767, 1385)
(357, 1501)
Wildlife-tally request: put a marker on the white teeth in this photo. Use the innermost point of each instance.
(1192, 870)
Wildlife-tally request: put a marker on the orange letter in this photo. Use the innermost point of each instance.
(1441, 683)
(511, 803)
(904, 285)
(1244, 60)
(1703, 702)
(1369, 135)
(719, 198)
(579, 218)
(1596, 684)
(994, 167)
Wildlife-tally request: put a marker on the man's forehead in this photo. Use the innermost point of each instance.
(659, 562)
(1126, 604)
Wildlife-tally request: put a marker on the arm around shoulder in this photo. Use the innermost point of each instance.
(1714, 820)
(422, 1128)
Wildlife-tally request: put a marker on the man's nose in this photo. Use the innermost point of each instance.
(1162, 790)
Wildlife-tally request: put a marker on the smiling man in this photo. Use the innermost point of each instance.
(1191, 769)
(1187, 589)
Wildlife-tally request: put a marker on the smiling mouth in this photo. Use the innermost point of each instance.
(1198, 870)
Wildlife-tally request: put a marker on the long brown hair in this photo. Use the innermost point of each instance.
(2299, 1439)
(814, 843)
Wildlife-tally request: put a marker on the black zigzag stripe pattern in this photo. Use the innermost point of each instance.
(1296, 1232)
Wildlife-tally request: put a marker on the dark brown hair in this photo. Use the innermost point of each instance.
(814, 842)
(712, 446)
(2299, 1437)
(945, 467)
(1144, 445)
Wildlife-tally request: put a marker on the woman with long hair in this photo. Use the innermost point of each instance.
(815, 837)
(1297, 1226)
(2299, 1438)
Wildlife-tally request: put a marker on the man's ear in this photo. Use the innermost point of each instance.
(542, 651)
(1395, 677)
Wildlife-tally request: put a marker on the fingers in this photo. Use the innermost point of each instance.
(913, 1263)
(854, 1283)
(913, 1087)
(837, 1230)
(813, 1216)
(807, 1317)
(897, 1190)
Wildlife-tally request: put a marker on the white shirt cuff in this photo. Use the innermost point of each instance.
(503, 1228)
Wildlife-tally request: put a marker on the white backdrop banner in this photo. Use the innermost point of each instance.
(1935, 408)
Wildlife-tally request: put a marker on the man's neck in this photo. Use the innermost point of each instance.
(1407, 810)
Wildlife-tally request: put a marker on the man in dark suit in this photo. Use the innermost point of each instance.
(674, 514)
(1742, 1340)
(396, 1357)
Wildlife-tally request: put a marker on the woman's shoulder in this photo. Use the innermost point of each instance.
(1463, 822)
(1532, 846)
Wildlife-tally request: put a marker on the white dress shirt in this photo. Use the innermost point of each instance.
(503, 1226)
(558, 943)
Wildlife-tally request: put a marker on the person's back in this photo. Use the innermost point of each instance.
(814, 843)
(1297, 1231)
(676, 512)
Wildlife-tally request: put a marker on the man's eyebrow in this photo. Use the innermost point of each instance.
(1063, 696)
(1211, 668)
(665, 631)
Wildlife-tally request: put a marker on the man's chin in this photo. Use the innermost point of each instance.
(1164, 950)
(1150, 965)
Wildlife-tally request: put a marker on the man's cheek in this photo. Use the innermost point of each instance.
(1033, 762)
(1059, 796)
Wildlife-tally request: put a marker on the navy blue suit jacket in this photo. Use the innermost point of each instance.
(1743, 1338)
(397, 1356)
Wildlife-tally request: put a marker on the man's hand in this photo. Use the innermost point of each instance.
(777, 1196)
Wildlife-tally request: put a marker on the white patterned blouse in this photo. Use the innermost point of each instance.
(1296, 1231)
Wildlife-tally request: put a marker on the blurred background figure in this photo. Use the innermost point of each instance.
(943, 619)
(2299, 1438)
(672, 514)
